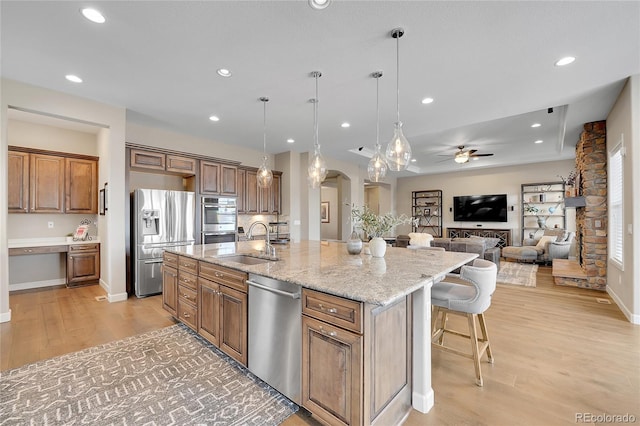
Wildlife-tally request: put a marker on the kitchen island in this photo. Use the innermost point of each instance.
(365, 319)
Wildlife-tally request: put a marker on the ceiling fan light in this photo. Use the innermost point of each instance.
(461, 157)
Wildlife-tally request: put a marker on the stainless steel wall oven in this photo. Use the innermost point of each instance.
(219, 220)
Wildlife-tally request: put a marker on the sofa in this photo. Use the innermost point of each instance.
(552, 244)
(485, 247)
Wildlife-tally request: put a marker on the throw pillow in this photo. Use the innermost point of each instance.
(420, 239)
(544, 240)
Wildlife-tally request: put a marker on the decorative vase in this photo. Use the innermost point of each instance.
(378, 247)
(542, 222)
(354, 243)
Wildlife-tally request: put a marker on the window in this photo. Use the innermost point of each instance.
(616, 205)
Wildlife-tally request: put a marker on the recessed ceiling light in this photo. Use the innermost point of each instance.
(290, 140)
(223, 72)
(427, 100)
(319, 4)
(345, 125)
(536, 125)
(214, 118)
(93, 15)
(73, 78)
(539, 141)
(565, 61)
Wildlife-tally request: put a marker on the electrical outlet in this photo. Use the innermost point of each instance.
(50, 225)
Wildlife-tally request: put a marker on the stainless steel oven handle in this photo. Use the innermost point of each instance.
(274, 290)
(218, 233)
(147, 262)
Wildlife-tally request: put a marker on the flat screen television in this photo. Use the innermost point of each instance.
(480, 208)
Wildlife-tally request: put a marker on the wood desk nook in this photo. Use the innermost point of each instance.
(82, 257)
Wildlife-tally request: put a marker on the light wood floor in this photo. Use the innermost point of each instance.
(558, 352)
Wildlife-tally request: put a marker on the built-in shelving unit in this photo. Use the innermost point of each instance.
(426, 206)
(542, 207)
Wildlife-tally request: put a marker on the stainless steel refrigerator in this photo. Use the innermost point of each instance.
(161, 219)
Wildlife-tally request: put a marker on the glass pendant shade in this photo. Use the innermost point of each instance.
(265, 176)
(317, 170)
(377, 168)
(398, 151)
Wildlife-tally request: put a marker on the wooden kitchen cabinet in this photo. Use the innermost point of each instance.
(356, 360)
(51, 182)
(218, 179)
(187, 309)
(46, 183)
(81, 186)
(83, 264)
(18, 188)
(227, 289)
(242, 177)
(251, 192)
(180, 164)
(147, 159)
(170, 283)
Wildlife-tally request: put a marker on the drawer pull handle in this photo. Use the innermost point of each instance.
(327, 333)
(329, 310)
(218, 275)
(186, 315)
(186, 296)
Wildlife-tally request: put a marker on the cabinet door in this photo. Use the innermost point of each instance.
(264, 195)
(170, 289)
(242, 177)
(209, 310)
(229, 180)
(46, 183)
(179, 164)
(81, 186)
(83, 267)
(18, 189)
(209, 178)
(233, 324)
(147, 159)
(331, 372)
(276, 193)
(251, 192)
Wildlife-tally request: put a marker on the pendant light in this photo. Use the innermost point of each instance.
(265, 176)
(398, 151)
(317, 170)
(377, 168)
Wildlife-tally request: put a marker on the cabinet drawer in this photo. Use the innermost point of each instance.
(332, 309)
(82, 247)
(188, 280)
(36, 250)
(147, 159)
(170, 259)
(220, 274)
(188, 265)
(176, 163)
(187, 314)
(187, 294)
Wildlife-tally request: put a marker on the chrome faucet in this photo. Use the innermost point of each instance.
(269, 250)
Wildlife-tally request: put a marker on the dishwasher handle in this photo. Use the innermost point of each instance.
(273, 290)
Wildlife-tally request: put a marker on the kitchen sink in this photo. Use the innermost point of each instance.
(247, 260)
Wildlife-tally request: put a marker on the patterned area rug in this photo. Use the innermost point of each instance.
(517, 274)
(166, 377)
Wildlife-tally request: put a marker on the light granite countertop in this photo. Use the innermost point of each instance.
(47, 242)
(327, 267)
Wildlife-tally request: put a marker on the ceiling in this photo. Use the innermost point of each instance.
(488, 65)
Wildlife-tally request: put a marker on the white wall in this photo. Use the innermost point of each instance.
(499, 180)
(329, 194)
(623, 124)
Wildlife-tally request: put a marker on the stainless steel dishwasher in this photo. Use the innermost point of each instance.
(275, 334)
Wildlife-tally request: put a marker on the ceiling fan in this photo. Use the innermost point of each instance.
(463, 156)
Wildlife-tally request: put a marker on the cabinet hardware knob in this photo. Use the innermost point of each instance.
(71, 257)
(186, 315)
(330, 310)
(327, 333)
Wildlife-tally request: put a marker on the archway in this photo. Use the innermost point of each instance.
(335, 194)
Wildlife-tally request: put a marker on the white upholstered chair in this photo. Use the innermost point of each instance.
(466, 300)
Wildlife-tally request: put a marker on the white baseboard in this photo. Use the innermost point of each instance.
(37, 284)
(5, 316)
(633, 318)
(423, 403)
(120, 297)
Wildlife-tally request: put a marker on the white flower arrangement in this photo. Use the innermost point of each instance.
(377, 225)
